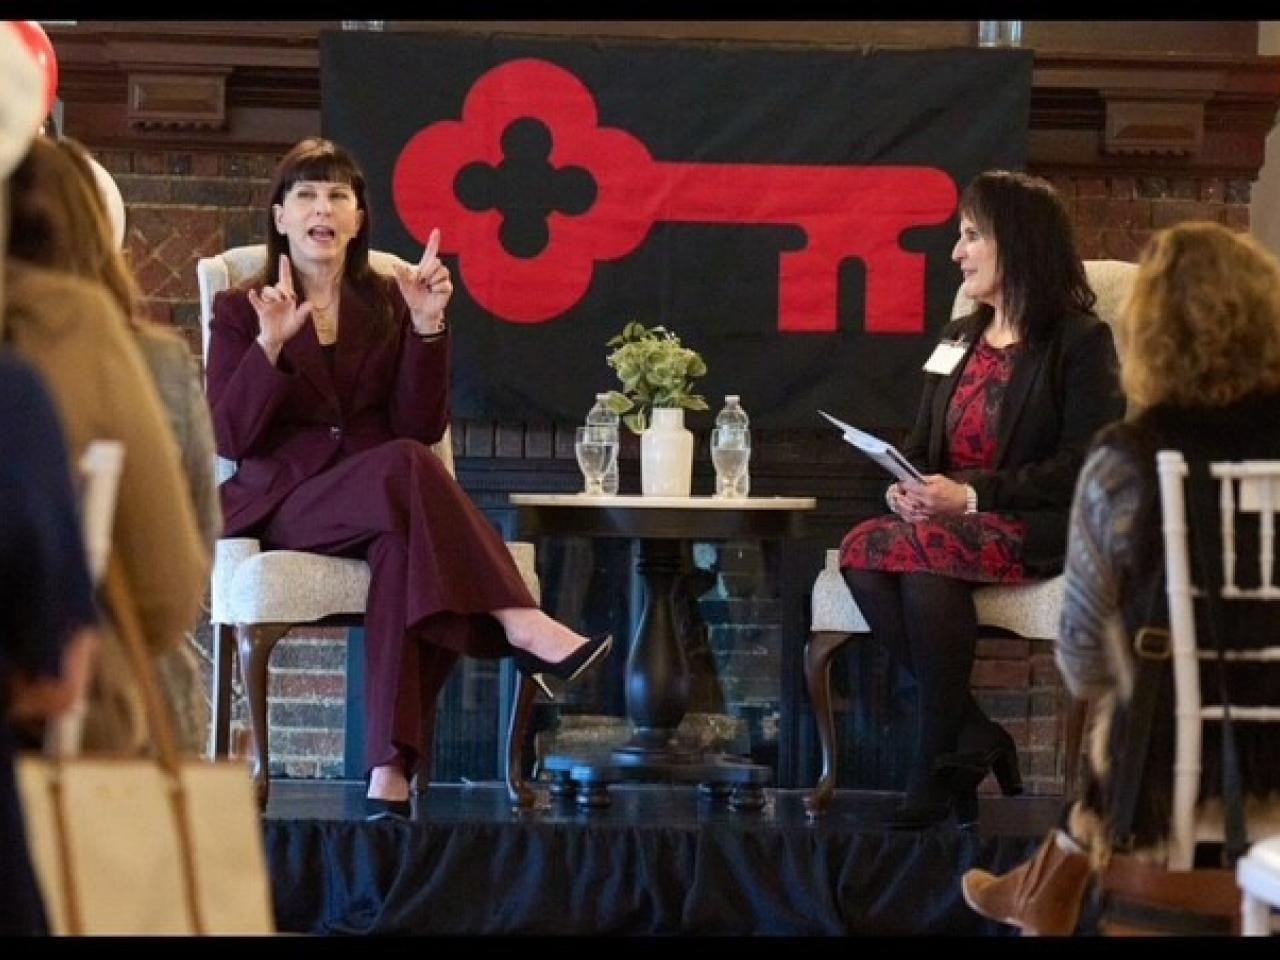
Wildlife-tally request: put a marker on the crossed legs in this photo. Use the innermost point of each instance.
(443, 584)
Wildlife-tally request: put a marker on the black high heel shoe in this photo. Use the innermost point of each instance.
(569, 669)
(1001, 758)
(376, 809)
(960, 805)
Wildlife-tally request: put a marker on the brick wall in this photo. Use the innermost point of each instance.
(1016, 683)
(183, 205)
(1114, 216)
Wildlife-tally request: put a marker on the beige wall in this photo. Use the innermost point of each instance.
(1265, 202)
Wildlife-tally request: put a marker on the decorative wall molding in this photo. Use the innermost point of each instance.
(189, 98)
(1203, 114)
(1152, 114)
(1155, 123)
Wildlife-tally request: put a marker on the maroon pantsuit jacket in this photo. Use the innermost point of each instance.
(288, 422)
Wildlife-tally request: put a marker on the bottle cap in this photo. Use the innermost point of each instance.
(730, 397)
(602, 396)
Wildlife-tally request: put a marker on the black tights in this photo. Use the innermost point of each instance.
(928, 625)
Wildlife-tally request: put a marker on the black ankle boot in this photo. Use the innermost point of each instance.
(996, 752)
(949, 796)
(961, 808)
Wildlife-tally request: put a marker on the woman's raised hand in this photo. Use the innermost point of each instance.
(279, 316)
(426, 288)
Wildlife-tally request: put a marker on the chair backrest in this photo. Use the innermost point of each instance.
(1246, 488)
(1110, 280)
(235, 265)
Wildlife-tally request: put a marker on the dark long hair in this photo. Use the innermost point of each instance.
(323, 160)
(1041, 275)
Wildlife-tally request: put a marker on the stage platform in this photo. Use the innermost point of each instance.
(660, 860)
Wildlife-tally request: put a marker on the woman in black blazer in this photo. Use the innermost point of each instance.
(1013, 395)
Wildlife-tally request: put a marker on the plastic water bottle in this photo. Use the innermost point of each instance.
(600, 416)
(732, 415)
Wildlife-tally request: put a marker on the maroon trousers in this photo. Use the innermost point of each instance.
(438, 569)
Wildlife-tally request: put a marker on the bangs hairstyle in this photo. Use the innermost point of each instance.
(319, 160)
(1202, 326)
(1040, 272)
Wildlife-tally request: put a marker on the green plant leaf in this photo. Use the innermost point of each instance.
(655, 370)
(616, 402)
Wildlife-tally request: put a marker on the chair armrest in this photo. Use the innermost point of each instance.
(228, 554)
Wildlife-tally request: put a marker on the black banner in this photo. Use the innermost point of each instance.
(789, 213)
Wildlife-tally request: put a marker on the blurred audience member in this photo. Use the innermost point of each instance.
(1200, 337)
(47, 617)
(76, 334)
(64, 222)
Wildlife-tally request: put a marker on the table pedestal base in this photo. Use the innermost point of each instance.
(657, 674)
(719, 776)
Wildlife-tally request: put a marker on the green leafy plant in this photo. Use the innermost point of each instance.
(656, 370)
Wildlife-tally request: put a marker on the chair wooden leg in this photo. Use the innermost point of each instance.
(818, 652)
(256, 641)
(223, 652)
(1073, 741)
(518, 791)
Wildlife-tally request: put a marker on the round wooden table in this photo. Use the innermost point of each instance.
(657, 674)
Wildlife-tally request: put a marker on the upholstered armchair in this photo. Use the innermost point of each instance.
(258, 595)
(1030, 610)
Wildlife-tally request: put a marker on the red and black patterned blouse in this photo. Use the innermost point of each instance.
(980, 547)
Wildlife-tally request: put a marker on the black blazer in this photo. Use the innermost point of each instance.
(1061, 393)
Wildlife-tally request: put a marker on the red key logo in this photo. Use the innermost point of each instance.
(449, 175)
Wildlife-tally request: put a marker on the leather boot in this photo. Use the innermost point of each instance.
(1042, 897)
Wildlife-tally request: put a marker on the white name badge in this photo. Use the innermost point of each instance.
(945, 356)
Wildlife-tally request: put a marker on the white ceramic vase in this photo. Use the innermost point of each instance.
(666, 455)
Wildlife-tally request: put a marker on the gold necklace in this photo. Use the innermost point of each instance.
(326, 326)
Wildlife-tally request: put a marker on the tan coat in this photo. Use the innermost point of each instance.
(76, 336)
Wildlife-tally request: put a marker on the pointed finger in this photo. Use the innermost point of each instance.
(433, 245)
(286, 277)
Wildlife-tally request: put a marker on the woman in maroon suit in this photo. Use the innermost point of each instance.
(327, 383)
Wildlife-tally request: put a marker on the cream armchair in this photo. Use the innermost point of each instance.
(1030, 610)
(260, 595)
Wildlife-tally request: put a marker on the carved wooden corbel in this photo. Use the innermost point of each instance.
(1154, 122)
(177, 98)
